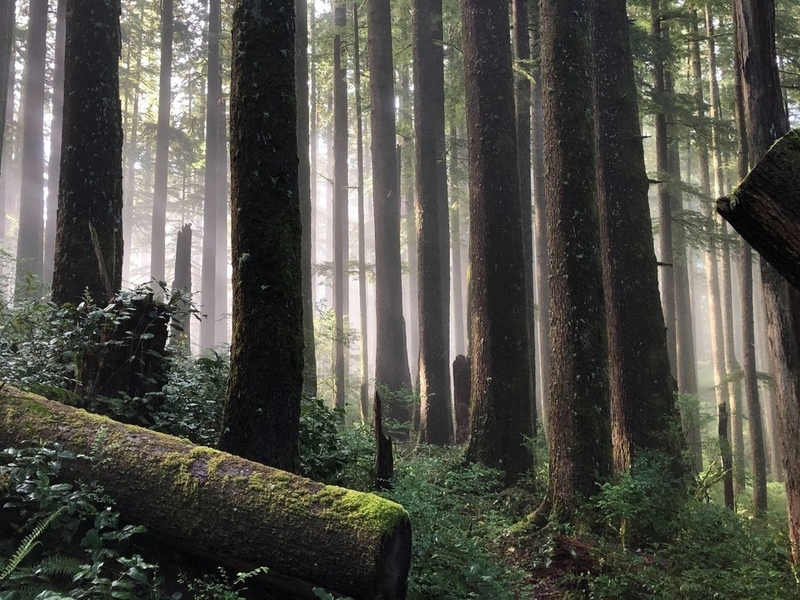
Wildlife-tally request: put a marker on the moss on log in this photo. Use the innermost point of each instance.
(765, 208)
(223, 507)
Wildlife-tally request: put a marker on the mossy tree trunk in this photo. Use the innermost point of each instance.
(500, 415)
(227, 509)
(89, 223)
(261, 418)
(579, 435)
(643, 411)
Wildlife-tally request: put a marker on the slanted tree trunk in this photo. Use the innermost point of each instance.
(436, 422)
(766, 119)
(158, 236)
(579, 435)
(500, 412)
(643, 411)
(261, 417)
(391, 357)
(306, 534)
(89, 223)
(30, 241)
(210, 175)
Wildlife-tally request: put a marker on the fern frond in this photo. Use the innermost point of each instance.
(29, 543)
(58, 565)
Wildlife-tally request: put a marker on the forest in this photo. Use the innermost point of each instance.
(376, 300)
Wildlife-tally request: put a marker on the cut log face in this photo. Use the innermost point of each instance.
(237, 512)
(765, 208)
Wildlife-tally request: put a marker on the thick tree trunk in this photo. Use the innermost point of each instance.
(30, 241)
(500, 411)
(89, 228)
(261, 418)
(643, 411)
(305, 533)
(579, 435)
(766, 119)
(391, 358)
(158, 235)
(433, 274)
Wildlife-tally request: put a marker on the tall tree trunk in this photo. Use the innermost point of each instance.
(724, 268)
(304, 174)
(766, 120)
(643, 411)
(221, 303)
(7, 80)
(314, 141)
(180, 337)
(340, 198)
(261, 417)
(7, 173)
(30, 241)
(362, 245)
(522, 97)
(54, 158)
(89, 230)
(211, 173)
(660, 36)
(436, 420)
(579, 428)
(6, 50)
(500, 416)
(391, 358)
(459, 326)
(158, 237)
(540, 222)
(131, 157)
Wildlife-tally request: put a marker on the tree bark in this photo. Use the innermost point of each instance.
(643, 411)
(766, 119)
(307, 534)
(391, 358)
(182, 284)
(500, 412)
(261, 418)
(579, 427)
(432, 212)
(765, 207)
(7, 20)
(89, 222)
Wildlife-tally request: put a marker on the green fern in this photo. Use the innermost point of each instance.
(29, 543)
(58, 565)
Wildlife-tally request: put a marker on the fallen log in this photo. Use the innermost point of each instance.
(765, 208)
(215, 505)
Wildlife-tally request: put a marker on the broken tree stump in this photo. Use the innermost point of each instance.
(765, 208)
(236, 512)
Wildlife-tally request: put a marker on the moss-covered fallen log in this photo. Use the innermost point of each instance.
(765, 208)
(222, 507)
